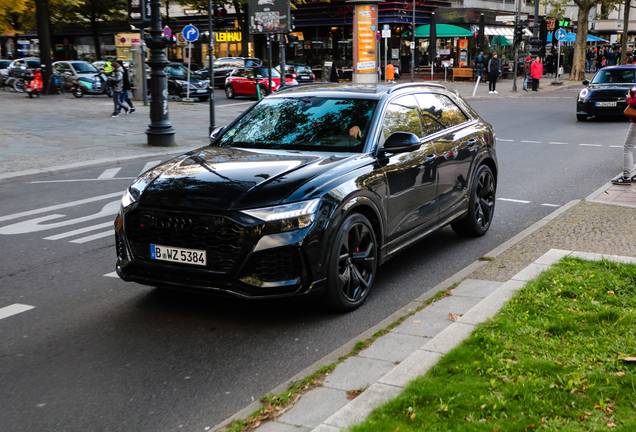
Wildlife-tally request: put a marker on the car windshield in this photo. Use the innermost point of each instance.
(177, 70)
(263, 72)
(619, 76)
(307, 123)
(84, 68)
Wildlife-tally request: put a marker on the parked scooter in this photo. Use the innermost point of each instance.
(34, 83)
(95, 85)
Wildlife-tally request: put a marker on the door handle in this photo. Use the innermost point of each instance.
(471, 142)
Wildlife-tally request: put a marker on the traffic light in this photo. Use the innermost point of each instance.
(139, 13)
(292, 25)
(518, 34)
(218, 14)
(534, 46)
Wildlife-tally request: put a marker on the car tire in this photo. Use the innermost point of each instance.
(77, 92)
(203, 98)
(229, 92)
(581, 117)
(352, 264)
(264, 91)
(481, 205)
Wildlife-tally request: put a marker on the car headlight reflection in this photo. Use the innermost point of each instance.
(130, 197)
(584, 93)
(287, 217)
(181, 82)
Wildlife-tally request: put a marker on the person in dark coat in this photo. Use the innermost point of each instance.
(526, 73)
(494, 69)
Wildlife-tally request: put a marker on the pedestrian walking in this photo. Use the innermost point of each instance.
(526, 73)
(124, 93)
(589, 55)
(549, 64)
(536, 71)
(117, 84)
(494, 69)
(628, 145)
(480, 62)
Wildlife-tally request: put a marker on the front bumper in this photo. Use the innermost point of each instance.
(589, 107)
(242, 260)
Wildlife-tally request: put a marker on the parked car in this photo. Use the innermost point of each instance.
(605, 95)
(18, 67)
(300, 72)
(243, 82)
(225, 65)
(178, 83)
(308, 191)
(4, 70)
(72, 71)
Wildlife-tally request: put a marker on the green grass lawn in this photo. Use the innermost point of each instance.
(550, 360)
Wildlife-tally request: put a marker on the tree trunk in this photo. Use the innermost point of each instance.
(625, 28)
(44, 35)
(578, 65)
(241, 17)
(95, 30)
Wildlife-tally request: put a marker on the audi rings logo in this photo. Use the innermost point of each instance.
(169, 222)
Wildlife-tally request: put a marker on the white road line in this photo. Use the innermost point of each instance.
(113, 275)
(82, 180)
(501, 139)
(14, 309)
(533, 142)
(109, 173)
(591, 145)
(617, 146)
(93, 237)
(558, 143)
(149, 165)
(514, 200)
(79, 231)
(551, 205)
(60, 206)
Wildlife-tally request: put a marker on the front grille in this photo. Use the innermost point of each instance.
(282, 265)
(220, 237)
(608, 95)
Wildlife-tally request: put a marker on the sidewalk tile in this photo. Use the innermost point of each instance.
(415, 365)
(393, 347)
(506, 291)
(475, 288)
(280, 427)
(530, 272)
(356, 373)
(486, 309)
(314, 406)
(449, 338)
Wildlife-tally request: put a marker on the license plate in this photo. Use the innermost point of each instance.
(605, 104)
(201, 91)
(304, 76)
(175, 254)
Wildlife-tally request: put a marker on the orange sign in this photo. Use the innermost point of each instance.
(463, 44)
(365, 27)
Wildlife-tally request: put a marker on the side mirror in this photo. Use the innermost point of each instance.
(401, 142)
(216, 132)
(585, 82)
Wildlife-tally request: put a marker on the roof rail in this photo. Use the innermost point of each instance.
(405, 85)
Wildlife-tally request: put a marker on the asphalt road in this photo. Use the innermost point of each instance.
(97, 354)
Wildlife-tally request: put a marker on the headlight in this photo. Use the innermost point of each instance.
(584, 93)
(130, 197)
(287, 217)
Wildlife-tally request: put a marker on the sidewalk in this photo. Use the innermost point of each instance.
(56, 132)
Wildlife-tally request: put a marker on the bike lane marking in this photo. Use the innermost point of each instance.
(14, 309)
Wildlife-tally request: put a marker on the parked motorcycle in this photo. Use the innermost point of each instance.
(95, 85)
(34, 84)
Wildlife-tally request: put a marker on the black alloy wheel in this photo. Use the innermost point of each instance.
(481, 205)
(229, 92)
(77, 92)
(352, 264)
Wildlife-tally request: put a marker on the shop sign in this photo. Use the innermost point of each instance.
(366, 17)
(229, 37)
(24, 42)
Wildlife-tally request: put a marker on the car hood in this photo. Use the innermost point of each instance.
(610, 86)
(217, 178)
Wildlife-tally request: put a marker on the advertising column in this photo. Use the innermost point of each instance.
(365, 26)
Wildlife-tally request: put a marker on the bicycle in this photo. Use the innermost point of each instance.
(19, 85)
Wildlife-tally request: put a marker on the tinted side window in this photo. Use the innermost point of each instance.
(451, 114)
(240, 73)
(439, 112)
(402, 115)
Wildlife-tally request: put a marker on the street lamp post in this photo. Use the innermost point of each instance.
(160, 131)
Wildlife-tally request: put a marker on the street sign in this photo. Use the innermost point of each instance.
(560, 34)
(386, 33)
(378, 36)
(167, 32)
(190, 33)
(412, 45)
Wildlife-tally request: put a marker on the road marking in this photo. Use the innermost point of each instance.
(558, 143)
(591, 145)
(551, 205)
(617, 146)
(93, 237)
(514, 200)
(14, 309)
(79, 231)
(60, 206)
(501, 139)
(533, 142)
(149, 165)
(109, 173)
(113, 275)
(82, 180)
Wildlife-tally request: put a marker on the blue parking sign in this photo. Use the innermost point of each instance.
(190, 33)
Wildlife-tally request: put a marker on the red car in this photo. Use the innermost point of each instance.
(243, 82)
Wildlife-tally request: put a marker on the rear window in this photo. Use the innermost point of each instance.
(33, 64)
(303, 70)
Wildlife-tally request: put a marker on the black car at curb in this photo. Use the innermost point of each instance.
(308, 191)
(605, 94)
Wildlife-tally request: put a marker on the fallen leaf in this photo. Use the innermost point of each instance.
(619, 374)
(611, 293)
(453, 317)
(497, 428)
(628, 359)
(482, 420)
(416, 322)
(277, 408)
(483, 406)
(529, 426)
(611, 425)
(412, 416)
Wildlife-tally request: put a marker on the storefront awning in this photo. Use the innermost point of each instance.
(443, 31)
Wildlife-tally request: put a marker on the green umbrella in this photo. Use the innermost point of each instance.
(500, 40)
(443, 31)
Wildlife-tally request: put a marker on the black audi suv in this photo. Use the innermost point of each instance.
(309, 191)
